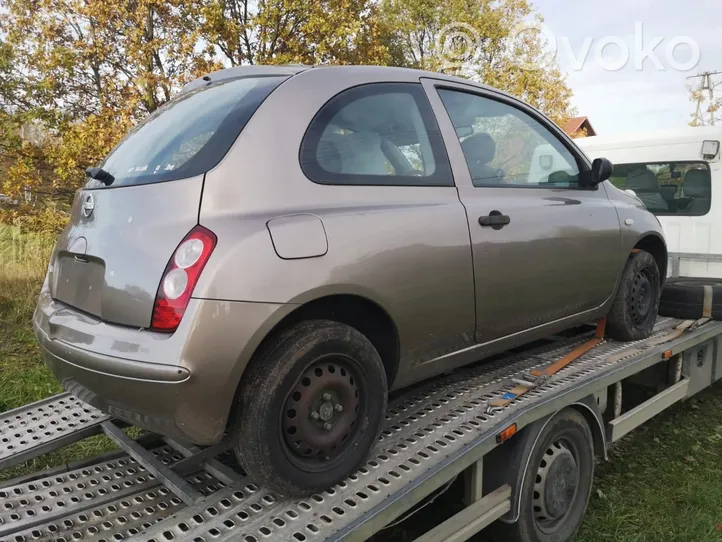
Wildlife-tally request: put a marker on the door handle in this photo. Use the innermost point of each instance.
(495, 220)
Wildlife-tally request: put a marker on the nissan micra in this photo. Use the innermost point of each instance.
(271, 252)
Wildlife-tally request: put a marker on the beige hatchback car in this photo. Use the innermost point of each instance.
(270, 253)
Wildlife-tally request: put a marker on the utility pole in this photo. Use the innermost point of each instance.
(709, 84)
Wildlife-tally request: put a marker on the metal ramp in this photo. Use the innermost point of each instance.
(431, 434)
(37, 428)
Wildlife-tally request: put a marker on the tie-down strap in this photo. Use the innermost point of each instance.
(538, 378)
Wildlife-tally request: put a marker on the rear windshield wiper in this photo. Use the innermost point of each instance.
(99, 174)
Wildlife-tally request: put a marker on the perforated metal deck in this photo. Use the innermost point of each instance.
(430, 434)
(34, 429)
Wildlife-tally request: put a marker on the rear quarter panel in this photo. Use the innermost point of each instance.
(405, 248)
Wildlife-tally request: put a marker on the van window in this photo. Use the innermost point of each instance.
(381, 134)
(673, 188)
(190, 134)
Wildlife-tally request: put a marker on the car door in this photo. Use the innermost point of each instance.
(545, 248)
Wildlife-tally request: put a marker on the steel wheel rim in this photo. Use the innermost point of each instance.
(642, 298)
(321, 412)
(556, 485)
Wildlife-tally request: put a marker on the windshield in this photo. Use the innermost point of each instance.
(189, 135)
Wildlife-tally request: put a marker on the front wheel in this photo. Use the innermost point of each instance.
(311, 406)
(635, 307)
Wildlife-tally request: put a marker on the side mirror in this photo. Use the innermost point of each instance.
(602, 169)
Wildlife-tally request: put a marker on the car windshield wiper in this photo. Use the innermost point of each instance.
(99, 174)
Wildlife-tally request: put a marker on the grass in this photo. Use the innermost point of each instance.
(24, 378)
(663, 483)
(23, 262)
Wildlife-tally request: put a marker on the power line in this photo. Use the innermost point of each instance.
(709, 84)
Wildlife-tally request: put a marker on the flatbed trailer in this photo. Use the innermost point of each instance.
(156, 489)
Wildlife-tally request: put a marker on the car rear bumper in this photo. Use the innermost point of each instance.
(181, 385)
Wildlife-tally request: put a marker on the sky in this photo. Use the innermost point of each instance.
(631, 99)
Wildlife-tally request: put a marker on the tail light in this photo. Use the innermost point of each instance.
(180, 278)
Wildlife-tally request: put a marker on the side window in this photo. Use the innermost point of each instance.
(378, 134)
(674, 188)
(504, 146)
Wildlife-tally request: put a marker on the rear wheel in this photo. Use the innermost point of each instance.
(311, 406)
(635, 307)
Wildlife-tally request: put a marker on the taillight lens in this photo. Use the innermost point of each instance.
(180, 277)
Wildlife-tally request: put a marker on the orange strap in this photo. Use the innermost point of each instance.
(579, 351)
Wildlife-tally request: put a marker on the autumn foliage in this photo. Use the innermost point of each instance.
(76, 75)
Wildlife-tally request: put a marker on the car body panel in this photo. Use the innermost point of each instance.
(181, 385)
(127, 240)
(284, 241)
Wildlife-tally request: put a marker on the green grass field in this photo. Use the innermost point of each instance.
(663, 483)
(23, 376)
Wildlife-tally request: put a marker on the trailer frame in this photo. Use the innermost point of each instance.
(433, 433)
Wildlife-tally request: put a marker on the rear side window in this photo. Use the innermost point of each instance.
(189, 135)
(379, 134)
(671, 188)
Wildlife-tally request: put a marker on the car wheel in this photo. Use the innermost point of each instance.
(311, 406)
(635, 307)
(689, 297)
(557, 483)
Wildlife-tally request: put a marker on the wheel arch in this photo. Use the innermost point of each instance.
(653, 243)
(357, 311)
(510, 466)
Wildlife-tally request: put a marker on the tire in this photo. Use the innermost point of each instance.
(683, 297)
(553, 485)
(290, 435)
(636, 304)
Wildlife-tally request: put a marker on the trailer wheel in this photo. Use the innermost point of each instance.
(635, 307)
(311, 406)
(687, 297)
(557, 483)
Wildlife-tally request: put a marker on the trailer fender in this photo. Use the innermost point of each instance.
(508, 463)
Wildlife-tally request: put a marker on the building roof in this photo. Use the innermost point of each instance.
(577, 123)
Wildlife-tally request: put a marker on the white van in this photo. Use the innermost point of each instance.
(678, 175)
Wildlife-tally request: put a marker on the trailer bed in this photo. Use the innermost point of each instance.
(432, 433)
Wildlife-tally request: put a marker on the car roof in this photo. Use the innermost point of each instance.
(382, 73)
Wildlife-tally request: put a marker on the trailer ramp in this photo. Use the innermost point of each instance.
(431, 433)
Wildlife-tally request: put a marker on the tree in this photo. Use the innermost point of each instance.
(473, 38)
(82, 72)
(707, 107)
(293, 31)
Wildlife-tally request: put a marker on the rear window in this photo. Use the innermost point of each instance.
(190, 134)
(668, 188)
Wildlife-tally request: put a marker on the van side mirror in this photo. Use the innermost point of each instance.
(602, 169)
